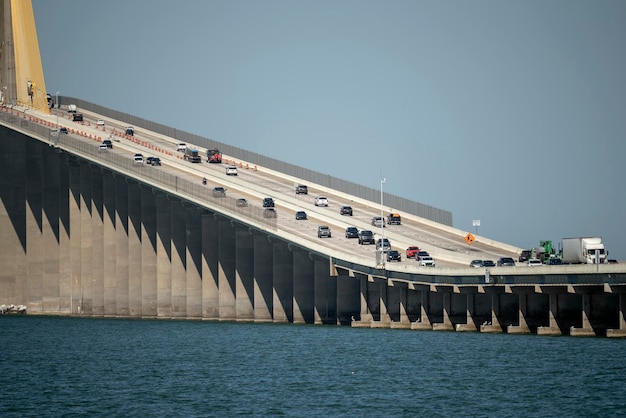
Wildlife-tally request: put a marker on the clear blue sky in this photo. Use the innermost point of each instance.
(511, 112)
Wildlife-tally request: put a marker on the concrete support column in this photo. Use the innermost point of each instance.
(586, 330)
(50, 234)
(75, 216)
(86, 241)
(424, 321)
(164, 250)
(470, 324)
(283, 274)
(244, 273)
(494, 326)
(35, 249)
(144, 296)
(210, 253)
(226, 274)
(325, 294)
(194, 263)
(303, 287)
(125, 295)
(553, 327)
(621, 331)
(109, 254)
(65, 260)
(404, 318)
(446, 325)
(179, 259)
(263, 284)
(522, 328)
(385, 320)
(97, 242)
(129, 291)
(365, 316)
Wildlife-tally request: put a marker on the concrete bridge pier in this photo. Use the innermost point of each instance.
(365, 316)
(423, 323)
(446, 324)
(178, 258)
(470, 325)
(325, 293)
(110, 299)
(164, 250)
(226, 269)
(553, 313)
(262, 281)
(384, 318)
(143, 295)
(494, 325)
(283, 274)
(404, 322)
(522, 327)
(586, 330)
(210, 267)
(193, 262)
(621, 331)
(244, 274)
(303, 287)
(129, 293)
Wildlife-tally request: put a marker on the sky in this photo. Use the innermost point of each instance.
(508, 112)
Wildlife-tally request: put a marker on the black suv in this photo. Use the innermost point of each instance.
(108, 143)
(506, 261)
(352, 232)
(346, 210)
(366, 237)
(218, 192)
(268, 202)
(524, 256)
(302, 189)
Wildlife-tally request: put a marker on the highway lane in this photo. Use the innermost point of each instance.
(445, 245)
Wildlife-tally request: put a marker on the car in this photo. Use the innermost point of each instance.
(302, 189)
(378, 221)
(366, 237)
(99, 122)
(153, 161)
(323, 231)
(231, 170)
(181, 146)
(321, 201)
(524, 256)
(103, 147)
(138, 159)
(476, 263)
(427, 261)
(301, 215)
(63, 130)
(346, 210)
(352, 232)
(420, 254)
(411, 251)
(218, 192)
(609, 261)
(241, 202)
(130, 131)
(554, 261)
(488, 263)
(533, 262)
(384, 244)
(108, 143)
(394, 219)
(268, 202)
(506, 261)
(393, 255)
(269, 213)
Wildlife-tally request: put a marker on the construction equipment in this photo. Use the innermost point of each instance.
(214, 156)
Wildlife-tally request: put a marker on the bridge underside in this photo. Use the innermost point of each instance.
(77, 238)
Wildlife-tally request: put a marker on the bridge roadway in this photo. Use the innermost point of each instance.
(444, 243)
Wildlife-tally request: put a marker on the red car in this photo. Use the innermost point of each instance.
(411, 251)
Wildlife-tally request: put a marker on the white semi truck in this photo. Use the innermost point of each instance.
(584, 250)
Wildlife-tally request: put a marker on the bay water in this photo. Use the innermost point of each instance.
(79, 367)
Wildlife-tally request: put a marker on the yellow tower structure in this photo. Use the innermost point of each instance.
(21, 76)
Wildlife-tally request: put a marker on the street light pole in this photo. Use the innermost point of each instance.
(382, 224)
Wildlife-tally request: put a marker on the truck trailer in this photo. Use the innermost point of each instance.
(583, 250)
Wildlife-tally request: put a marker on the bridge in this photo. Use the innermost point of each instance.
(86, 231)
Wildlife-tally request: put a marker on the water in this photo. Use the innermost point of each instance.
(54, 366)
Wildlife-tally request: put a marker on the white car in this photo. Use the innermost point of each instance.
(321, 201)
(534, 262)
(427, 261)
(231, 170)
(378, 221)
(138, 159)
(100, 122)
(181, 147)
